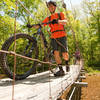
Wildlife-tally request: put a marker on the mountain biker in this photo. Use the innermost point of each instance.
(77, 55)
(58, 36)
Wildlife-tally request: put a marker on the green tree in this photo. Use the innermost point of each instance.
(93, 30)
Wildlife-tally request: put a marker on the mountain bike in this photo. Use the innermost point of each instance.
(28, 46)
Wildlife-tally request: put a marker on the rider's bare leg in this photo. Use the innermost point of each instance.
(66, 58)
(58, 61)
(57, 57)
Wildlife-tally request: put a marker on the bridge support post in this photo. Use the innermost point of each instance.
(80, 84)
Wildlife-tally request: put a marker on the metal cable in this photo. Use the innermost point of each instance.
(26, 9)
(13, 82)
(50, 96)
(13, 53)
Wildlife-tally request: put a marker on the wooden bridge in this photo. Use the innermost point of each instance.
(42, 86)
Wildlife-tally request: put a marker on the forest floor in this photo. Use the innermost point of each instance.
(92, 92)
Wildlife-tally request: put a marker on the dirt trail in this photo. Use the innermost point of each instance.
(92, 92)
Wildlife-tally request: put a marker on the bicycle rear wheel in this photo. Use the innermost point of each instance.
(26, 46)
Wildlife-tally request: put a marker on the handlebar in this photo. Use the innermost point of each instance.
(39, 26)
(42, 24)
(54, 21)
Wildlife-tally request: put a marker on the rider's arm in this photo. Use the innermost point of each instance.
(45, 21)
(33, 26)
(36, 26)
(63, 20)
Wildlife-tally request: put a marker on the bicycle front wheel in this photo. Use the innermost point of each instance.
(25, 46)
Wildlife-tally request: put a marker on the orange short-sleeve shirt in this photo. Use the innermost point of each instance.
(55, 27)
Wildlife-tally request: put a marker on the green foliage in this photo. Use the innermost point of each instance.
(6, 28)
(93, 31)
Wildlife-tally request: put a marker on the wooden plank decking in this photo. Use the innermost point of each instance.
(37, 87)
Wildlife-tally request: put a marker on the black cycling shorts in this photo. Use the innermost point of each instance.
(59, 44)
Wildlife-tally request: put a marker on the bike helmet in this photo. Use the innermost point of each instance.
(52, 2)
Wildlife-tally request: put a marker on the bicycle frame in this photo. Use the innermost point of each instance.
(47, 51)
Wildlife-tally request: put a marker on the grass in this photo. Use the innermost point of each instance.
(92, 70)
